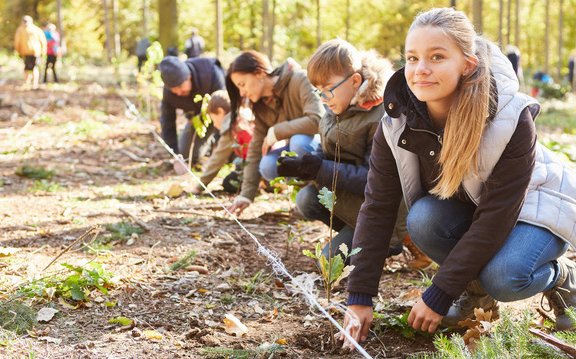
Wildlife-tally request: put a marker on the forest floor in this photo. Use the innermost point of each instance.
(104, 161)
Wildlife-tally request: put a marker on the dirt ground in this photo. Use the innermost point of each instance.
(103, 161)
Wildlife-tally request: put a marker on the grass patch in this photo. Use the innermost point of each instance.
(17, 317)
(184, 261)
(122, 230)
(34, 172)
(45, 186)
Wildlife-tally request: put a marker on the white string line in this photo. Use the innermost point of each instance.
(276, 263)
(33, 117)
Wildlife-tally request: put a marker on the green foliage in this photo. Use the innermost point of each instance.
(566, 151)
(425, 282)
(332, 271)
(184, 261)
(263, 351)
(45, 119)
(149, 79)
(123, 229)
(399, 324)
(292, 232)
(17, 317)
(510, 339)
(45, 186)
(250, 286)
(76, 285)
(554, 90)
(327, 198)
(227, 299)
(121, 320)
(34, 172)
(201, 121)
(88, 127)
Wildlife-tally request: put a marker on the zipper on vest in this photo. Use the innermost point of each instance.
(430, 132)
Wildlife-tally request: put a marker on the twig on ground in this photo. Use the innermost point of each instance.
(97, 229)
(188, 212)
(138, 221)
(134, 156)
(569, 349)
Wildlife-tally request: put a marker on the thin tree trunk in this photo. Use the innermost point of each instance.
(560, 37)
(60, 24)
(271, 31)
(219, 29)
(508, 22)
(500, 19)
(348, 19)
(547, 39)
(107, 28)
(145, 6)
(477, 6)
(168, 23)
(453, 3)
(264, 38)
(116, 33)
(517, 29)
(318, 24)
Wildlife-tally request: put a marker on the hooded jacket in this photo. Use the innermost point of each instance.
(354, 130)
(519, 180)
(30, 40)
(293, 109)
(207, 76)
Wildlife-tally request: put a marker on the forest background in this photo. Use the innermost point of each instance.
(103, 31)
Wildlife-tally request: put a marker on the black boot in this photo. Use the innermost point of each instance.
(463, 308)
(563, 294)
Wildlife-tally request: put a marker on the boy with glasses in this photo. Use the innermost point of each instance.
(350, 84)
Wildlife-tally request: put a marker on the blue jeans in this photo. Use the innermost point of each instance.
(309, 206)
(525, 266)
(299, 144)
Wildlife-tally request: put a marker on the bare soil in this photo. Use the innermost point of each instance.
(104, 160)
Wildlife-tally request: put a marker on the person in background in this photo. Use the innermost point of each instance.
(182, 82)
(53, 50)
(284, 107)
(513, 55)
(30, 43)
(350, 83)
(141, 52)
(194, 45)
(571, 59)
(232, 141)
(488, 203)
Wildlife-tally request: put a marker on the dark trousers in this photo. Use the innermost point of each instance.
(50, 63)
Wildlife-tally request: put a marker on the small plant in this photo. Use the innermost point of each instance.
(45, 119)
(292, 232)
(45, 186)
(227, 299)
(76, 285)
(184, 261)
(34, 172)
(333, 270)
(122, 230)
(425, 282)
(252, 285)
(17, 317)
(400, 324)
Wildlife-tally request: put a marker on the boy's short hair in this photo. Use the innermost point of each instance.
(218, 99)
(335, 57)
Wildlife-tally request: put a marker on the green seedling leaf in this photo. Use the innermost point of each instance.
(77, 293)
(337, 265)
(319, 250)
(308, 253)
(355, 251)
(121, 320)
(327, 198)
(111, 304)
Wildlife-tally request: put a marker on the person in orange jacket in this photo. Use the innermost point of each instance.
(30, 43)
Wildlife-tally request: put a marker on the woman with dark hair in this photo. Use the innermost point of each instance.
(284, 107)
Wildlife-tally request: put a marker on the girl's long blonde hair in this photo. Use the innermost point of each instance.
(470, 109)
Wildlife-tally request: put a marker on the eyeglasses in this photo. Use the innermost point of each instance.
(328, 94)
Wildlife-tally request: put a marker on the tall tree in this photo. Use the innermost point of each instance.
(115, 26)
(59, 24)
(500, 19)
(453, 3)
(167, 23)
(219, 29)
(517, 28)
(107, 27)
(477, 17)
(145, 16)
(348, 19)
(547, 38)
(508, 22)
(560, 37)
(318, 25)
(271, 31)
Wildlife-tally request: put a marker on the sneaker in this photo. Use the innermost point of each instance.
(421, 261)
(563, 294)
(463, 308)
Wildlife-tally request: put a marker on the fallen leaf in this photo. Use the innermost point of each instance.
(51, 340)
(121, 320)
(151, 335)
(271, 315)
(281, 341)
(175, 190)
(234, 326)
(46, 314)
(279, 295)
(5, 252)
(199, 269)
(50, 292)
(64, 303)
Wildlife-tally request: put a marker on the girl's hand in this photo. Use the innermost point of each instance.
(265, 148)
(357, 321)
(239, 205)
(424, 318)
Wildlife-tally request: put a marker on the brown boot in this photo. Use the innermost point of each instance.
(463, 308)
(421, 260)
(563, 294)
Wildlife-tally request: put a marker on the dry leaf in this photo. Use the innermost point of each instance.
(477, 328)
(234, 326)
(64, 303)
(51, 340)
(151, 335)
(199, 269)
(175, 190)
(5, 252)
(46, 314)
(272, 314)
(50, 292)
(281, 341)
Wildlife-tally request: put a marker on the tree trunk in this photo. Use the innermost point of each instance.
(116, 33)
(500, 19)
(219, 29)
(517, 29)
(547, 39)
(477, 9)
(560, 37)
(318, 24)
(453, 3)
(60, 25)
(348, 19)
(167, 23)
(145, 6)
(264, 38)
(107, 28)
(508, 22)
(271, 31)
